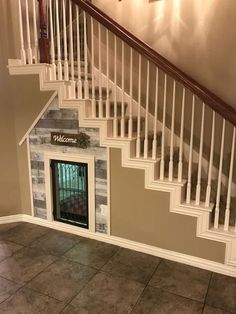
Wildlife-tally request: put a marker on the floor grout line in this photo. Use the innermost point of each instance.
(208, 287)
(147, 284)
(62, 257)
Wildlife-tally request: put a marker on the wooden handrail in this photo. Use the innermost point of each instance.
(203, 93)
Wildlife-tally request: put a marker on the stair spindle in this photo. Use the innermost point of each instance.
(71, 41)
(139, 106)
(92, 68)
(29, 48)
(208, 190)
(115, 88)
(171, 162)
(53, 66)
(59, 65)
(86, 84)
(147, 112)
(162, 162)
(180, 163)
(131, 95)
(217, 208)
(189, 184)
(227, 211)
(22, 49)
(108, 74)
(100, 102)
(79, 81)
(199, 174)
(122, 133)
(66, 66)
(154, 142)
(35, 55)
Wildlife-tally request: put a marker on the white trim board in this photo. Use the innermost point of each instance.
(136, 246)
(89, 160)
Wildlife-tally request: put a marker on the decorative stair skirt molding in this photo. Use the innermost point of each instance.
(132, 245)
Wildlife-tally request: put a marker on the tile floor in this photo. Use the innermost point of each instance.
(46, 271)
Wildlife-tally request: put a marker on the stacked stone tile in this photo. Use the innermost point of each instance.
(66, 121)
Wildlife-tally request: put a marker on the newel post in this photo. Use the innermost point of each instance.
(44, 42)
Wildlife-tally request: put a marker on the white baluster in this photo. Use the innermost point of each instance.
(79, 82)
(22, 49)
(115, 89)
(53, 66)
(122, 90)
(162, 162)
(92, 68)
(189, 184)
(171, 162)
(35, 32)
(146, 113)
(199, 174)
(29, 49)
(131, 95)
(107, 62)
(180, 164)
(227, 211)
(66, 65)
(100, 102)
(86, 84)
(72, 64)
(154, 142)
(208, 190)
(59, 65)
(139, 106)
(217, 208)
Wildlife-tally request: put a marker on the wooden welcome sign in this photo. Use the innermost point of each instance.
(80, 140)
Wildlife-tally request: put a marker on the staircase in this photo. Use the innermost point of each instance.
(165, 123)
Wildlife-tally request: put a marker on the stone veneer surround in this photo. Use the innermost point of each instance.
(66, 121)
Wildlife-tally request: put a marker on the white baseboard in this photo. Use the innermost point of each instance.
(140, 247)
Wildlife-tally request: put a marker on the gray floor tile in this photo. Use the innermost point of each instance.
(24, 233)
(157, 301)
(184, 280)
(7, 227)
(92, 253)
(26, 301)
(7, 249)
(62, 280)
(132, 265)
(69, 309)
(222, 293)
(174, 288)
(108, 294)
(7, 288)
(55, 242)
(25, 264)
(212, 310)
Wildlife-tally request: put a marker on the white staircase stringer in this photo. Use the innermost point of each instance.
(174, 189)
(186, 147)
(204, 231)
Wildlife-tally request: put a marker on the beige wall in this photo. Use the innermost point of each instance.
(198, 36)
(143, 215)
(20, 103)
(9, 187)
(28, 101)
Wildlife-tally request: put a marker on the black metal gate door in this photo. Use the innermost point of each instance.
(70, 192)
